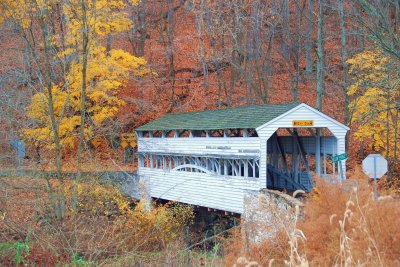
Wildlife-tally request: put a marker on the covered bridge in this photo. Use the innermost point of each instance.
(214, 158)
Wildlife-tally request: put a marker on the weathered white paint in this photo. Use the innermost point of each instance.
(249, 146)
(208, 190)
(227, 192)
(302, 112)
(192, 166)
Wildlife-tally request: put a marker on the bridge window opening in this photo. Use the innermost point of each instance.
(244, 132)
(228, 167)
(156, 134)
(252, 133)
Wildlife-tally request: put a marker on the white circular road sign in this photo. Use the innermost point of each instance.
(375, 166)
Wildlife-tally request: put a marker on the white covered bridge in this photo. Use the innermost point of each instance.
(215, 158)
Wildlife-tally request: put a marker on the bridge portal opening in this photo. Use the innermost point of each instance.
(296, 155)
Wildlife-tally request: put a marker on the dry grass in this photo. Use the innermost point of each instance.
(106, 227)
(341, 225)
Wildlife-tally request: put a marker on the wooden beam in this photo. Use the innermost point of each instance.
(282, 152)
(246, 168)
(312, 132)
(302, 153)
(318, 152)
(295, 165)
(245, 133)
(225, 167)
(274, 150)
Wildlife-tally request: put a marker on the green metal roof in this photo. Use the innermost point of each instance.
(229, 118)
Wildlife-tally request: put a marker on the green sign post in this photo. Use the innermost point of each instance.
(339, 158)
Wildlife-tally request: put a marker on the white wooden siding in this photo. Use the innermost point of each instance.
(236, 146)
(301, 112)
(207, 190)
(227, 192)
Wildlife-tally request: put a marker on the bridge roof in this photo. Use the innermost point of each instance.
(229, 118)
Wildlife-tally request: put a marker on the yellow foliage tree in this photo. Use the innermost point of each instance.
(375, 94)
(106, 72)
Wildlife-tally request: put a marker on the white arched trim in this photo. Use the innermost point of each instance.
(184, 166)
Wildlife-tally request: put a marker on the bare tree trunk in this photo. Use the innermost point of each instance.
(138, 34)
(396, 15)
(108, 47)
(199, 19)
(308, 45)
(320, 55)
(345, 66)
(298, 52)
(85, 51)
(47, 78)
(170, 49)
(389, 174)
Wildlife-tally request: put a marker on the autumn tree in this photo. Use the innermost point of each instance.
(375, 94)
(94, 75)
(37, 22)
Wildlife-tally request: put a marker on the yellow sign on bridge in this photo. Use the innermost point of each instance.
(303, 123)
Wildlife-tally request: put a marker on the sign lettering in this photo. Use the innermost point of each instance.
(337, 158)
(302, 123)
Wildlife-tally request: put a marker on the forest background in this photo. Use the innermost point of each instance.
(77, 74)
(114, 65)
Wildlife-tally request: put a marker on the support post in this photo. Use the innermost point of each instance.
(262, 170)
(275, 150)
(295, 164)
(318, 151)
(245, 133)
(341, 148)
(225, 167)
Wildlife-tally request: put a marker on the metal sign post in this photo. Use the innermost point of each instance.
(375, 166)
(339, 158)
(128, 143)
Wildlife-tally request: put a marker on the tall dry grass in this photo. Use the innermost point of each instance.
(340, 225)
(106, 228)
